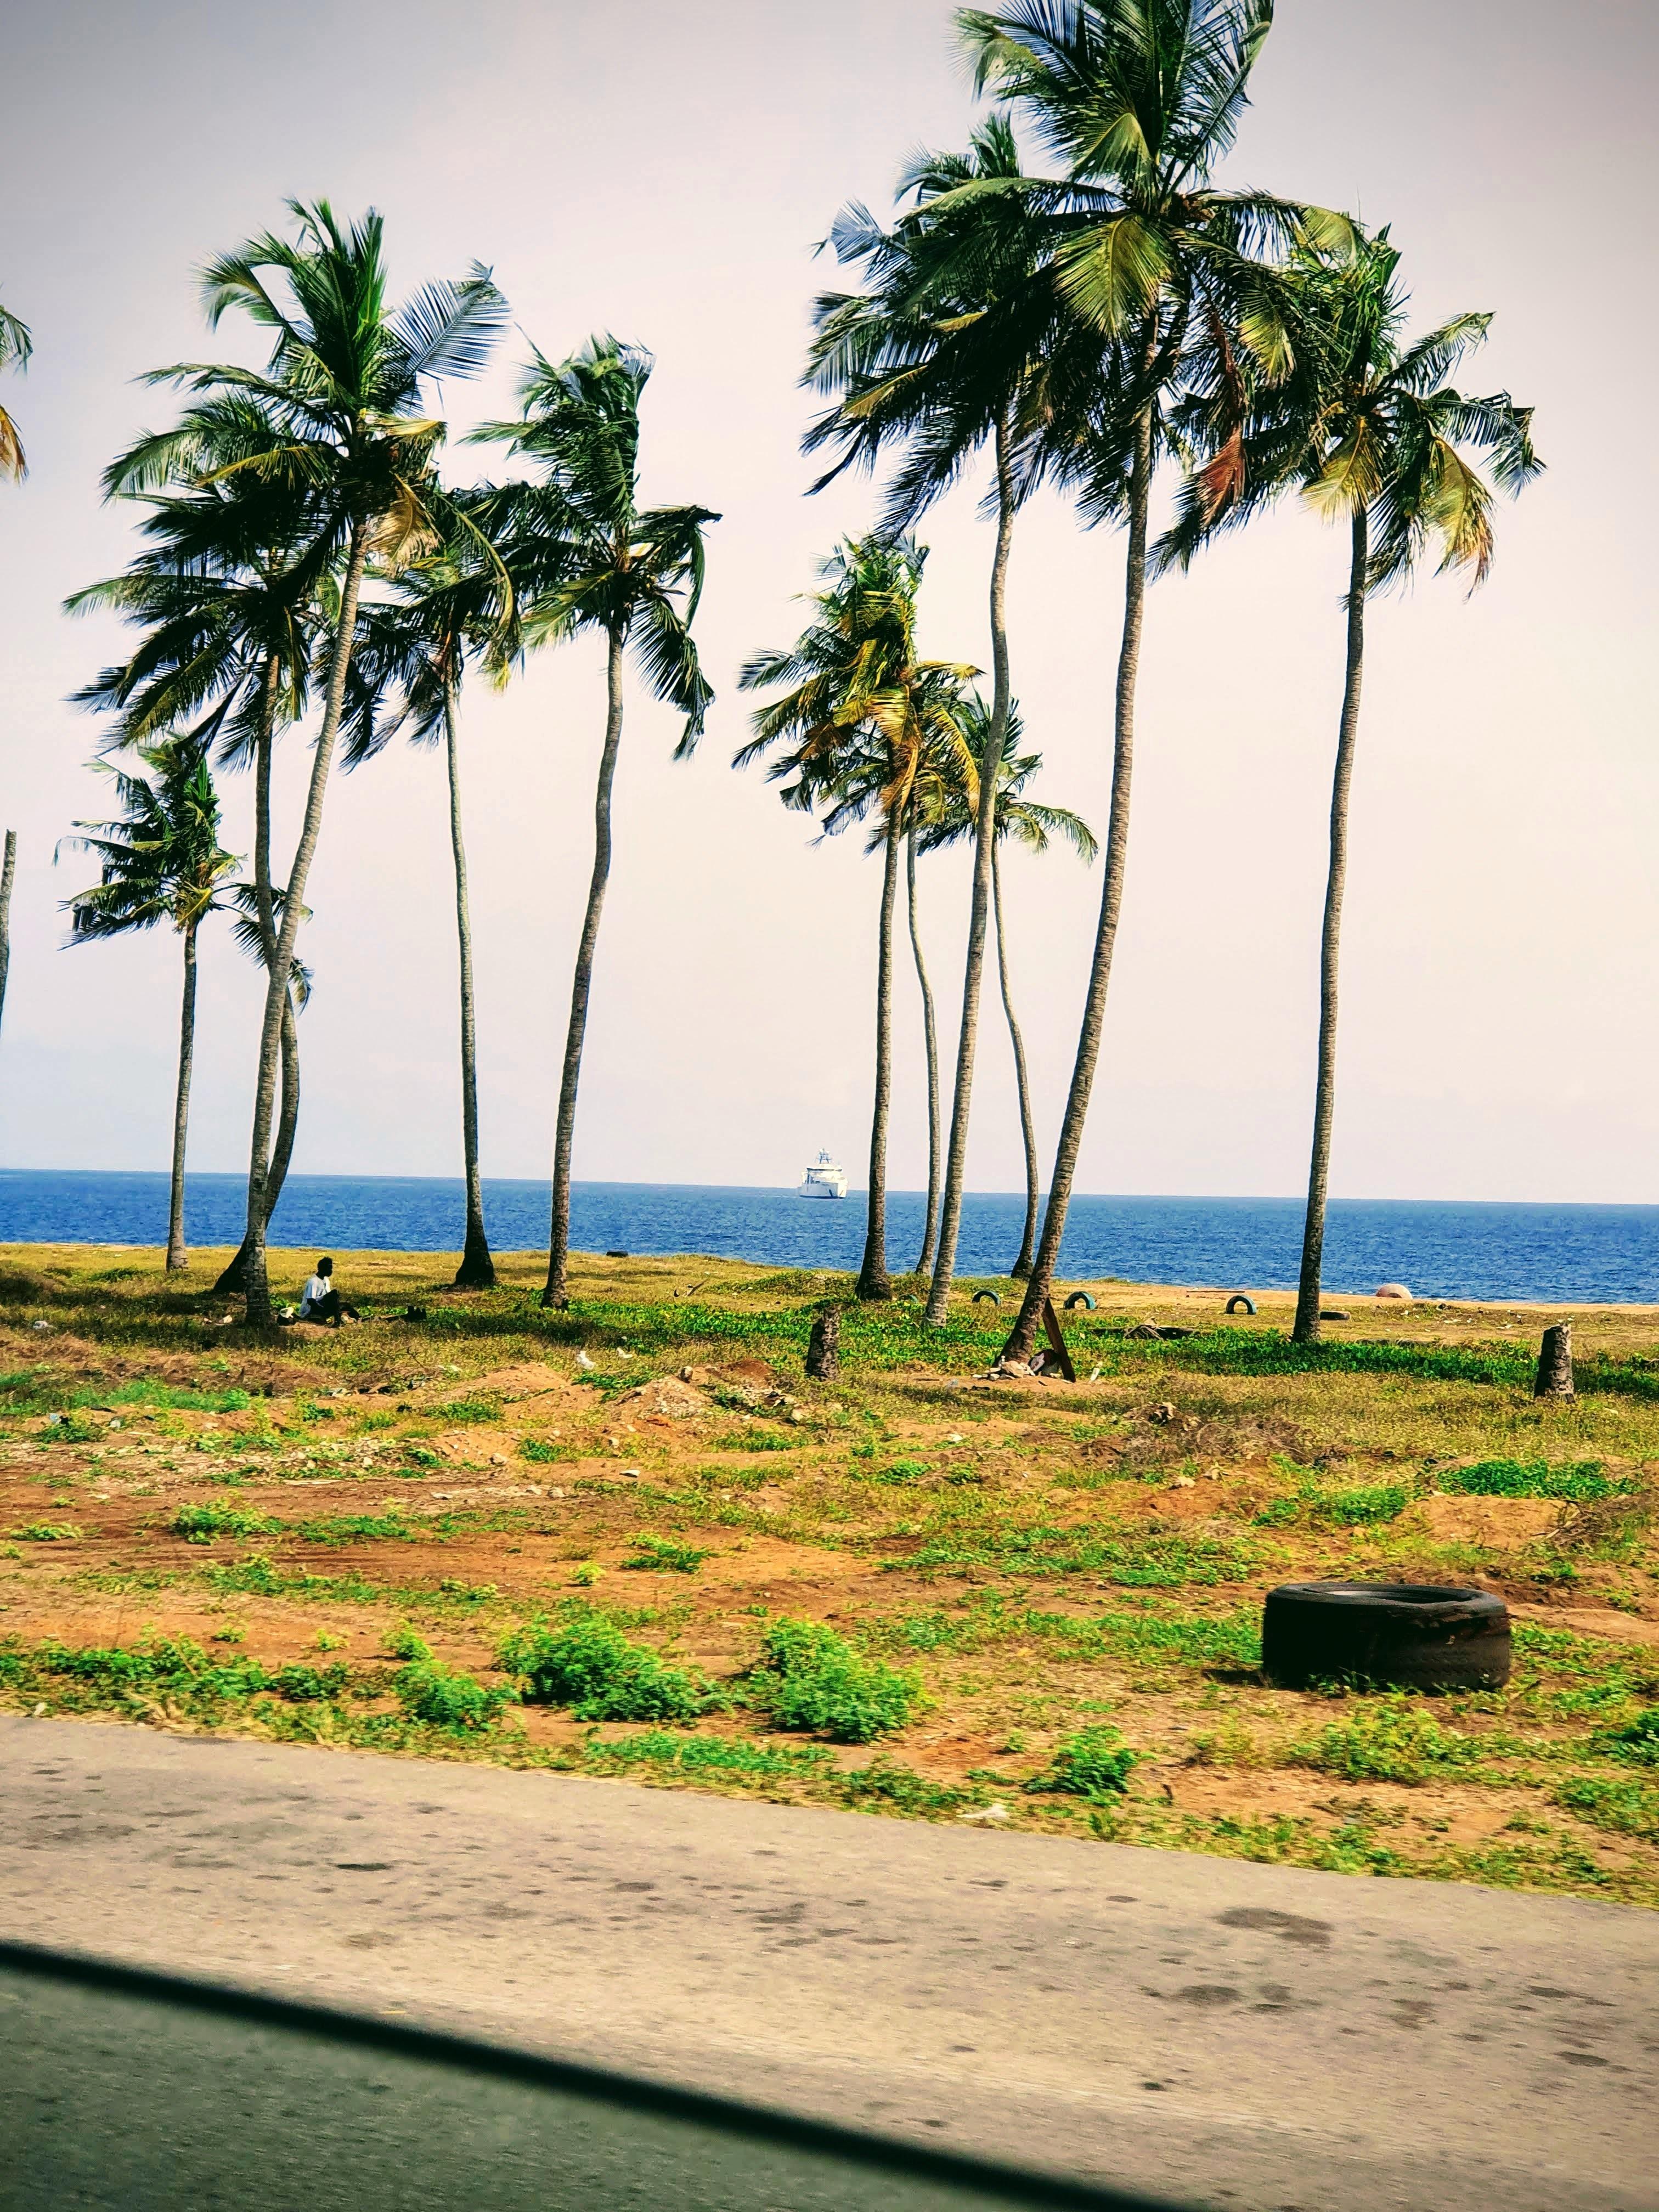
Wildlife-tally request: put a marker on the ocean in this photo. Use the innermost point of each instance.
(1593, 1254)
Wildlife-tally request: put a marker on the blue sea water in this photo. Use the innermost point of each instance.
(1566, 1253)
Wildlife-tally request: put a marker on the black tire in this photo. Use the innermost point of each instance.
(1413, 1635)
(1239, 1299)
(979, 1295)
(1080, 1298)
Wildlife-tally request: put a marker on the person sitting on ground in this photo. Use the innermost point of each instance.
(320, 1301)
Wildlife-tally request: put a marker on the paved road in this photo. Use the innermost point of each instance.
(1258, 2038)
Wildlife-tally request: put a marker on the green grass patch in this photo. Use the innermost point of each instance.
(445, 1698)
(712, 1754)
(206, 1524)
(1535, 1478)
(1388, 1740)
(544, 1454)
(47, 1532)
(460, 1410)
(175, 1669)
(1130, 1561)
(1627, 1805)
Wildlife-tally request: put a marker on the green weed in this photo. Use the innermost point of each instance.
(1630, 1807)
(708, 1754)
(1389, 1741)
(445, 1698)
(811, 1680)
(1536, 1478)
(655, 1555)
(47, 1532)
(204, 1524)
(590, 1666)
(1095, 1763)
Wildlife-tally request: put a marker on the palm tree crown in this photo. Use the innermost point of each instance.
(161, 859)
(16, 347)
(584, 555)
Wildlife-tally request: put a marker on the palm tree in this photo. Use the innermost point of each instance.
(162, 861)
(1139, 100)
(948, 352)
(416, 646)
(857, 722)
(930, 1048)
(16, 347)
(335, 418)
(1369, 430)
(954, 818)
(229, 622)
(586, 556)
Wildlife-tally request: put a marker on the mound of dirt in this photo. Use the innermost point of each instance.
(666, 1399)
(1504, 1523)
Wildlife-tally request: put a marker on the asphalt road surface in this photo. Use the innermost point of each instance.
(1255, 2038)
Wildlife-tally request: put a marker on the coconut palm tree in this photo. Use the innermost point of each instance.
(953, 819)
(1369, 431)
(161, 861)
(857, 720)
(1139, 100)
(413, 647)
(338, 417)
(585, 557)
(229, 622)
(16, 347)
(948, 353)
(930, 1049)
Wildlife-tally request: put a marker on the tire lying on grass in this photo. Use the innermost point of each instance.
(1417, 1636)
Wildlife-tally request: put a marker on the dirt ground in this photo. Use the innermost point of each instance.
(1044, 1559)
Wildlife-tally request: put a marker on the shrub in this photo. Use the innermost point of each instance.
(404, 1644)
(591, 1665)
(445, 1698)
(814, 1681)
(1095, 1763)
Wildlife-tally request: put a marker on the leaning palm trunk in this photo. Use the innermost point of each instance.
(939, 1297)
(477, 1270)
(1022, 1267)
(234, 1276)
(1306, 1329)
(277, 981)
(7, 871)
(1039, 1284)
(556, 1292)
(930, 1033)
(178, 1257)
(873, 1281)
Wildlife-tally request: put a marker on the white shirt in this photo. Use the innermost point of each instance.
(316, 1290)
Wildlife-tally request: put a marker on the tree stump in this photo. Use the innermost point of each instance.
(1555, 1363)
(824, 1347)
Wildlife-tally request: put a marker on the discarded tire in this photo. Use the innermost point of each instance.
(1080, 1298)
(1418, 1636)
(981, 1295)
(617, 1255)
(1238, 1302)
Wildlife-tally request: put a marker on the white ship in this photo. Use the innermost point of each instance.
(825, 1179)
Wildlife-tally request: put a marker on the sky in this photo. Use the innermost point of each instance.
(665, 172)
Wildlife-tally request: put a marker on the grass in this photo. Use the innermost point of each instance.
(1050, 1596)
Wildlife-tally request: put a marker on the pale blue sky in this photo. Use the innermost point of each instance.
(663, 172)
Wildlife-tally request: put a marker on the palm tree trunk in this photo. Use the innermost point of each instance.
(477, 1270)
(8, 870)
(955, 1169)
(1306, 1328)
(178, 1257)
(233, 1279)
(1039, 1284)
(277, 981)
(1022, 1267)
(930, 1033)
(555, 1292)
(873, 1282)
